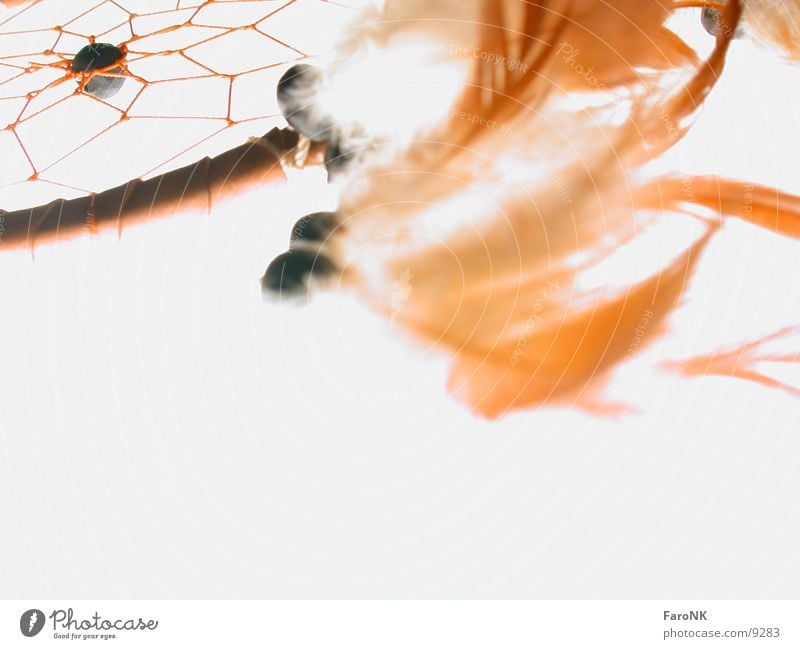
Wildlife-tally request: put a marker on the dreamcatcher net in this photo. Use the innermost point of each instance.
(198, 79)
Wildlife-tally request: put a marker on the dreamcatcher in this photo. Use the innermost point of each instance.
(495, 153)
(108, 76)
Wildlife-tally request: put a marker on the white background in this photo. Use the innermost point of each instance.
(164, 432)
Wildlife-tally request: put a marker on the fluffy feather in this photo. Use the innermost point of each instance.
(520, 178)
(775, 23)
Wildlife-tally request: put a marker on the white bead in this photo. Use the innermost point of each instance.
(104, 87)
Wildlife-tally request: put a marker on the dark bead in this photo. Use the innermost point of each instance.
(337, 157)
(290, 273)
(712, 22)
(298, 92)
(96, 56)
(99, 56)
(316, 227)
(710, 18)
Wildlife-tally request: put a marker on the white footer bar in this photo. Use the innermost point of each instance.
(400, 624)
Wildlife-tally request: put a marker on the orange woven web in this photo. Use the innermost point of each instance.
(200, 78)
